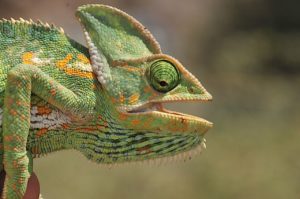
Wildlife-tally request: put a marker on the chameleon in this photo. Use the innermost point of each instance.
(105, 100)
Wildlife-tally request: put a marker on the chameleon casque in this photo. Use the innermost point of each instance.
(104, 100)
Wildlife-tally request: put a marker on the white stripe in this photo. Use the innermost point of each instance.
(53, 120)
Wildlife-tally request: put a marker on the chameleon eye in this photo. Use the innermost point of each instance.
(163, 76)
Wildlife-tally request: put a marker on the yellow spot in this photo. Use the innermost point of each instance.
(69, 57)
(27, 58)
(76, 72)
(83, 58)
(62, 64)
(133, 98)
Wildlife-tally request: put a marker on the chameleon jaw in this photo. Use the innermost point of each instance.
(174, 121)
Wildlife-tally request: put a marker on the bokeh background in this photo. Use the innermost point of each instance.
(246, 53)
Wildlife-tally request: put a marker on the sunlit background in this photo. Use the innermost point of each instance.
(246, 53)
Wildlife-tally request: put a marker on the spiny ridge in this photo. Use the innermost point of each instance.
(180, 157)
(30, 22)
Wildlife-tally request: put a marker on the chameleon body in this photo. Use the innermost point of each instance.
(104, 100)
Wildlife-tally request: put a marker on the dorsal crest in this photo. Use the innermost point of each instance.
(22, 23)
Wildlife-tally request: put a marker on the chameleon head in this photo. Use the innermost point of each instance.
(138, 77)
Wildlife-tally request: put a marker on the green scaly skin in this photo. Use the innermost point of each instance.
(107, 98)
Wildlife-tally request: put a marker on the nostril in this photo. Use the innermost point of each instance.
(191, 90)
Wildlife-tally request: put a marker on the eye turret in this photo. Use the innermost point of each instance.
(163, 76)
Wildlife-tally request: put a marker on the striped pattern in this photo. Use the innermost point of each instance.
(51, 120)
(163, 76)
(114, 147)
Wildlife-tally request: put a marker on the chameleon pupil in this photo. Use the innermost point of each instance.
(163, 83)
(163, 76)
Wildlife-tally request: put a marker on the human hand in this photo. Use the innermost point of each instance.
(33, 186)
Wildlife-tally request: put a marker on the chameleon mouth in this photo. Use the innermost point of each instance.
(185, 123)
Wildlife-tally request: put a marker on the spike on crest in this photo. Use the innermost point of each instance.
(13, 20)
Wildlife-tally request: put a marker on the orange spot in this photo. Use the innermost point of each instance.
(8, 138)
(13, 112)
(41, 132)
(53, 91)
(153, 96)
(69, 57)
(113, 100)
(35, 150)
(135, 122)
(65, 126)
(115, 63)
(145, 149)
(62, 63)
(43, 110)
(147, 89)
(105, 123)
(148, 122)
(131, 68)
(133, 98)
(100, 127)
(15, 164)
(123, 116)
(23, 117)
(18, 102)
(20, 180)
(178, 126)
(10, 101)
(83, 58)
(27, 58)
(122, 98)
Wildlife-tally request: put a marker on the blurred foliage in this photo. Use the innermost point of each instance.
(246, 53)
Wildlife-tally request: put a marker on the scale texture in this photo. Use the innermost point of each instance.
(104, 100)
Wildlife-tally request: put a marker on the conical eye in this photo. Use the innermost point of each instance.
(163, 76)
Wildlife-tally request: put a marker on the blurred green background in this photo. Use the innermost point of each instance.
(246, 53)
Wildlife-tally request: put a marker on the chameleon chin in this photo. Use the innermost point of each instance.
(105, 100)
